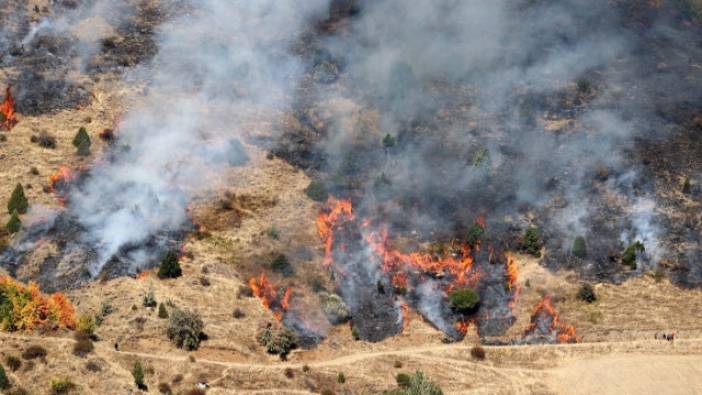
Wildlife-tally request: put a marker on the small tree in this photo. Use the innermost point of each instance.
(18, 202)
(687, 187)
(464, 300)
(281, 264)
(185, 329)
(579, 247)
(14, 224)
(86, 324)
(475, 234)
(138, 374)
(4, 381)
(587, 293)
(630, 254)
(531, 242)
(170, 268)
(149, 298)
(317, 191)
(162, 312)
(82, 142)
(388, 142)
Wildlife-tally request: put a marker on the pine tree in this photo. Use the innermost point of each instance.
(82, 142)
(18, 202)
(14, 224)
(170, 268)
(4, 381)
(138, 374)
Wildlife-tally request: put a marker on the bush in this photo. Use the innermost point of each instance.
(61, 386)
(93, 366)
(14, 225)
(477, 352)
(631, 253)
(475, 234)
(170, 268)
(403, 380)
(531, 242)
(389, 141)
(44, 140)
(327, 392)
(82, 142)
(17, 391)
(238, 313)
(273, 232)
(149, 299)
(687, 187)
(280, 342)
(244, 291)
(82, 347)
(317, 191)
(341, 378)
(289, 373)
(397, 365)
(196, 391)
(185, 329)
(13, 362)
(86, 324)
(281, 264)
(4, 381)
(162, 312)
(464, 300)
(164, 388)
(579, 247)
(587, 293)
(138, 374)
(418, 384)
(33, 352)
(18, 201)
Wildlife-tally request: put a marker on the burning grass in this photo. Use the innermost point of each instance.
(545, 323)
(8, 117)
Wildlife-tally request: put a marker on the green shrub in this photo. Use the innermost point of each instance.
(273, 232)
(418, 384)
(170, 268)
(631, 253)
(464, 300)
(138, 374)
(238, 313)
(13, 362)
(586, 293)
(18, 201)
(403, 380)
(82, 142)
(531, 242)
(341, 378)
(579, 247)
(162, 312)
(60, 386)
(475, 234)
(149, 299)
(279, 342)
(687, 187)
(185, 329)
(317, 191)
(164, 388)
(4, 381)
(86, 324)
(44, 140)
(281, 264)
(14, 225)
(389, 141)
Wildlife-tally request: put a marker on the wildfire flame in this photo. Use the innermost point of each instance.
(269, 295)
(7, 110)
(341, 210)
(462, 326)
(60, 178)
(544, 309)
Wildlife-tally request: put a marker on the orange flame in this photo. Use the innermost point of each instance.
(7, 110)
(462, 326)
(405, 316)
(327, 221)
(564, 333)
(268, 294)
(63, 175)
(512, 272)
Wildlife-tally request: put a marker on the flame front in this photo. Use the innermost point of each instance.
(341, 210)
(544, 309)
(7, 110)
(270, 298)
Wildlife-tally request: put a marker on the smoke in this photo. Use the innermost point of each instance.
(219, 69)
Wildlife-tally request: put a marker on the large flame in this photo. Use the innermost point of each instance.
(544, 310)
(7, 110)
(58, 181)
(340, 210)
(269, 295)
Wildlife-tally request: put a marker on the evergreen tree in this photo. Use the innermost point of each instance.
(687, 187)
(162, 312)
(14, 224)
(4, 381)
(579, 247)
(170, 268)
(138, 374)
(82, 142)
(18, 202)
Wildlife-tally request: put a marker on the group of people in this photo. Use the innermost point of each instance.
(665, 336)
